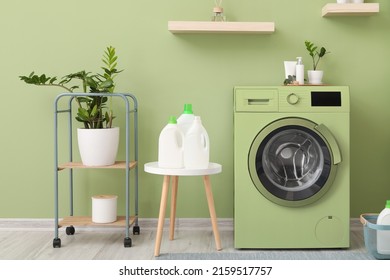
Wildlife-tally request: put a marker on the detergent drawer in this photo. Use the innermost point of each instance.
(255, 99)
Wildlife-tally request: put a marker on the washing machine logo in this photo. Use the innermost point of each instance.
(291, 165)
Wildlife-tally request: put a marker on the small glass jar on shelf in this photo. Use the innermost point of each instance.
(218, 12)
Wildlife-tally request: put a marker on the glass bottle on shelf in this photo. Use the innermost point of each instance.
(218, 12)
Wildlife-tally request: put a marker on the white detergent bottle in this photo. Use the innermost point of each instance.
(196, 146)
(170, 146)
(383, 236)
(300, 71)
(184, 121)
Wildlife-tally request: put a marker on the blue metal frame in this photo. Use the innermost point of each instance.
(134, 110)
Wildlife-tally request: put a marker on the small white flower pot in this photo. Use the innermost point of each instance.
(315, 76)
(98, 147)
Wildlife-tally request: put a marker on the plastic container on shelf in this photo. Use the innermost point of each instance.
(196, 146)
(170, 146)
(300, 71)
(383, 238)
(371, 229)
(185, 120)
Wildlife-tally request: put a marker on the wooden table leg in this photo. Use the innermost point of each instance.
(161, 215)
(175, 180)
(213, 216)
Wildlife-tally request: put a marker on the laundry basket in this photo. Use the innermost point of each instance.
(370, 234)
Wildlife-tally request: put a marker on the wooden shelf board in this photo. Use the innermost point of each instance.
(221, 27)
(116, 165)
(87, 221)
(350, 9)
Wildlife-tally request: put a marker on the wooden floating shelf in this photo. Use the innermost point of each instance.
(350, 9)
(221, 27)
(87, 221)
(116, 165)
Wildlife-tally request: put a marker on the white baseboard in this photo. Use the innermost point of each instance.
(31, 224)
(28, 224)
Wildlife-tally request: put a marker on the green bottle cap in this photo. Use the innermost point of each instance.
(187, 109)
(172, 120)
(387, 203)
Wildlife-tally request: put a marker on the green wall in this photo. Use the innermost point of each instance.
(165, 71)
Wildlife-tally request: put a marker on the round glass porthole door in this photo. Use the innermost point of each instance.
(290, 163)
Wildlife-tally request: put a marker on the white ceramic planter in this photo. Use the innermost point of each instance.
(315, 76)
(98, 147)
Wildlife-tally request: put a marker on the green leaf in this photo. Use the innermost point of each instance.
(23, 78)
(106, 84)
(107, 71)
(80, 119)
(322, 52)
(35, 80)
(83, 113)
(94, 111)
(113, 59)
(91, 82)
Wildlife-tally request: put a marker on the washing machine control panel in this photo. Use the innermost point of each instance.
(310, 99)
(292, 99)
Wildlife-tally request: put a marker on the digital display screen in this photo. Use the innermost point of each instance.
(326, 98)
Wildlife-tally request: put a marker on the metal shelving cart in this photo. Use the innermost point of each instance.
(127, 165)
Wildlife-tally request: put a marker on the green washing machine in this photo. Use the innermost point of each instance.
(291, 167)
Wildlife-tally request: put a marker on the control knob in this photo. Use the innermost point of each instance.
(292, 99)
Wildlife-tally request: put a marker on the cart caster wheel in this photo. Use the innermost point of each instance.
(136, 230)
(56, 243)
(70, 230)
(127, 242)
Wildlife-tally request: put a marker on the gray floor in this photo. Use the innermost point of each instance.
(33, 239)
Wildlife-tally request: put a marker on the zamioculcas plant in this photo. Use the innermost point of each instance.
(92, 110)
(315, 53)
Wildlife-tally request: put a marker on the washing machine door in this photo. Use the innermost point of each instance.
(293, 161)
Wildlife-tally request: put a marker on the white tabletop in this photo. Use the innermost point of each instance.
(153, 168)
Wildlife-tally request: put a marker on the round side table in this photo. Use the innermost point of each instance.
(153, 168)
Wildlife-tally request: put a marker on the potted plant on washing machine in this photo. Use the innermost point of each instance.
(98, 140)
(316, 53)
